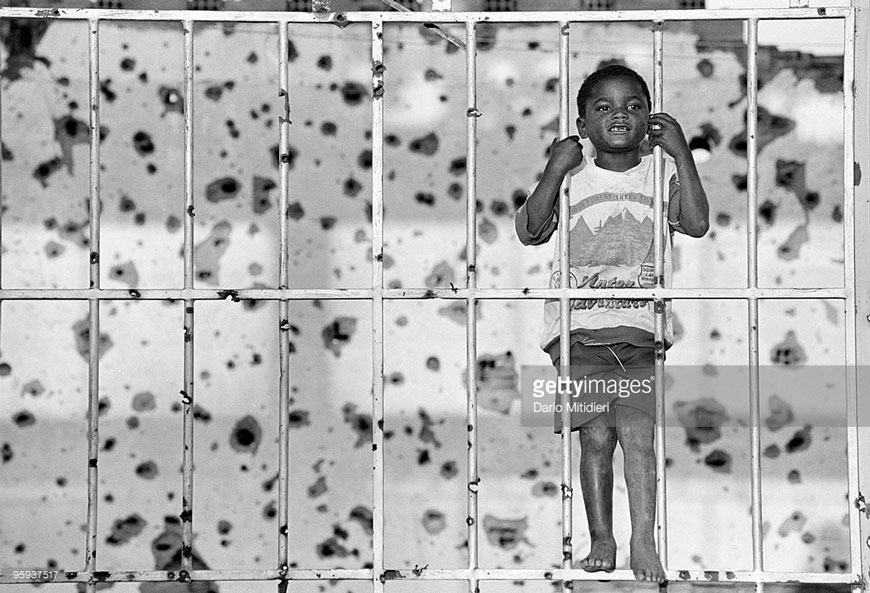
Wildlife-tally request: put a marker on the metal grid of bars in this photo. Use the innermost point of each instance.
(377, 294)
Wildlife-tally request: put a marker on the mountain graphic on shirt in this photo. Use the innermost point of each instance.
(621, 240)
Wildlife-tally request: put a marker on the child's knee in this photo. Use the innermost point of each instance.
(598, 439)
(635, 430)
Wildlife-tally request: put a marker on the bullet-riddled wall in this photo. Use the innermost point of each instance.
(43, 344)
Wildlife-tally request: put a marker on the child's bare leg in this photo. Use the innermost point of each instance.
(597, 444)
(636, 433)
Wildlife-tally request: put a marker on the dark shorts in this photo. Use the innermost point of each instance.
(606, 376)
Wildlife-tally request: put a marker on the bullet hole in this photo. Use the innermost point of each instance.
(327, 222)
(801, 440)
(207, 254)
(455, 311)
(252, 58)
(173, 223)
(81, 332)
(392, 140)
(702, 419)
(364, 160)
(171, 99)
(270, 511)
(143, 77)
(338, 333)
(433, 364)
(109, 444)
(458, 166)
(33, 388)
(139, 218)
(705, 68)
(246, 434)
(794, 477)
(808, 538)
(810, 200)
(328, 128)
(298, 419)
(142, 143)
(151, 168)
(225, 188)
(837, 214)
(719, 461)
(331, 548)
(498, 207)
(396, 378)
(440, 276)
(45, 169)
(324, 62)
(551, 85)
(125, 273)
(788, 352)
(128, 64)
(426, 145)
(19, 548)
(224, 527)
(767, 211)
(831, 565)
(455, 191)
(425, 198)
(255, 269)
(434, 521)
(201, 414)
(511, 131)
(770, 127)
(487, 231)
(353, 93)
(448, 470)
(6, 453)
(795, 522)
(318, 488)
(781, 413)
(723, 219)
(351, 187)
(260, 198)
(545, 488)
(5, 369)
(505, 533)
(106, 90)
(123, 530)
(518, 198)
(232, 129)
(132, 422)
(401, 321)
(126, 204)
(147, 470)
(360, 423)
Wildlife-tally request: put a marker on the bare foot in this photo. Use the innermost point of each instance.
(645, 563)
(602, 556)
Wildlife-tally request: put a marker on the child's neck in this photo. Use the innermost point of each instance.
(617, 161)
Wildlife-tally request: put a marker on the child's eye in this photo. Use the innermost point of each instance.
(634, 106)
(602, 108)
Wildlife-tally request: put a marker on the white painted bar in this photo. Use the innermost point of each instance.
(700, 577)
(187, 393)
(283, 305)
(93, 304)
(565, 313)
(377, 297)
(852, 457)
(658, 304)
(204, 294)
(426, 17)
(472, 522)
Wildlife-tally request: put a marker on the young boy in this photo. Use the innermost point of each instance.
(611, 238)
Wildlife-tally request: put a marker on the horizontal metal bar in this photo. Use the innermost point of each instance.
(265, 294)
(427, 574)
(426, 17)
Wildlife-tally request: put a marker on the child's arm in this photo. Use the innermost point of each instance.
(536, 219)
(688, 211)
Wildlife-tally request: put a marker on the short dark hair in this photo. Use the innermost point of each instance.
(610, 71)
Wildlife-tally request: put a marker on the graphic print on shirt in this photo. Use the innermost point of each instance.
(611, 242)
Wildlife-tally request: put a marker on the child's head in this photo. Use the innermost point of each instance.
(613, 108)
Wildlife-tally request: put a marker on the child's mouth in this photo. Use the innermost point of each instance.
(618, 129)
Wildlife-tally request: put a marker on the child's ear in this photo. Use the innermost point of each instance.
(581, 127)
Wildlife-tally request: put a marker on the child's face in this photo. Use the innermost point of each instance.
(617, 115)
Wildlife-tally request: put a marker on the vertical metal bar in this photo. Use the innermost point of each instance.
(658, 304)
(565, 312)
(377, 303)
(283, 305)
(752, 282)
(861, 248)
(93, 304)
(187, 392)
(471, 283)
(851, 306)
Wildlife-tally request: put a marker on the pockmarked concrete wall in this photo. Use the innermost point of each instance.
(43, 346)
